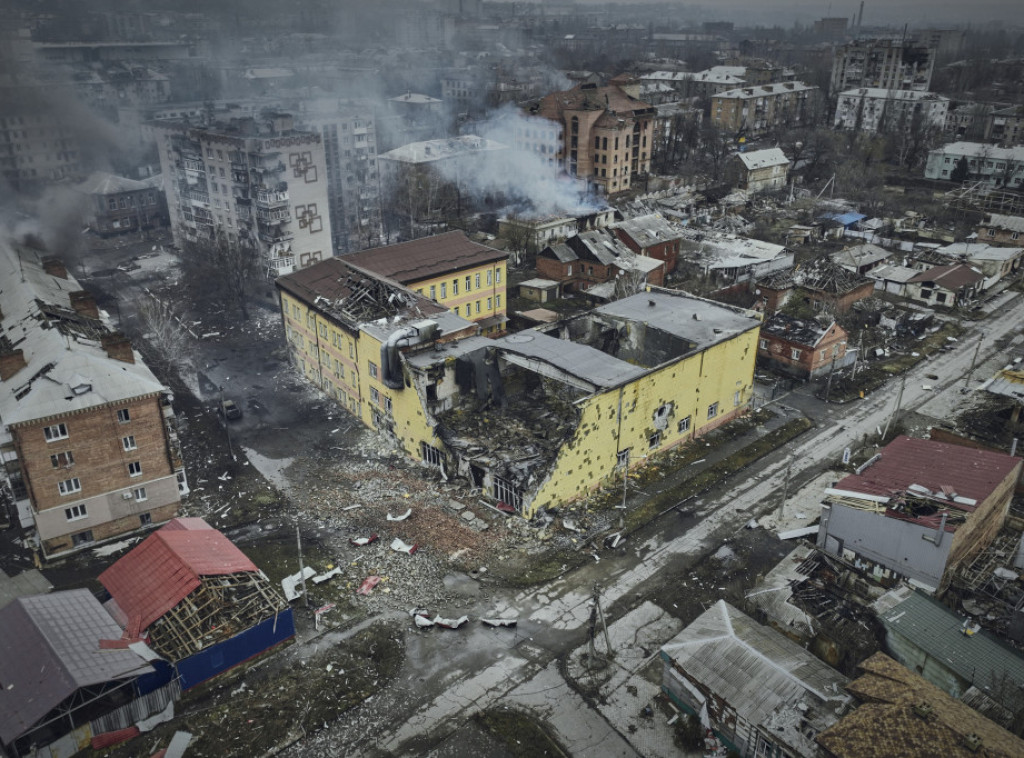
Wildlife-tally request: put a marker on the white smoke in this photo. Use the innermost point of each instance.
(531, 182)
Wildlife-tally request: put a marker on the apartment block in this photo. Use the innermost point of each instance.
(89, 440)
(754, 111)
(607, 137)
(882, 64)
(256, 181)
(977, 162)
(870, 109)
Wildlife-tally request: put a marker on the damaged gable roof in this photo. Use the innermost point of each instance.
(807, 333)
(647, 230)
(425, 258)
(825, 275)
(951, 277)
(166, 567)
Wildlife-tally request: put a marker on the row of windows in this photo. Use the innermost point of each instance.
(496, 303)
(78, 512)
(493, 277)
(74, 484)
(60, 431)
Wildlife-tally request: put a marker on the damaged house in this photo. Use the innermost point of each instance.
(87, 432)
(803, 348)
(594, 258)
(196, 600)
(919, 510)
(761, 693)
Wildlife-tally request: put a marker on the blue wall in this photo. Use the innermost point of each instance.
(229, 653)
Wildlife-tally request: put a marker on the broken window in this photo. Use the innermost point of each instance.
(82, 538)
(505, 492)
(430, 455)
(794, 354)
(764, 344)
(374, 395)
(654, 440)
(62, 460)
(622, 457)
(55, 432)
(684, 425)
(374, 373)
(662, 415)
(712, 410)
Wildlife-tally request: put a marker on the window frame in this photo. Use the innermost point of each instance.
(128, 443)
(76, 512)
(69, 486)
(713, 410)
(56, 432)
(124, 415)
(135, 468)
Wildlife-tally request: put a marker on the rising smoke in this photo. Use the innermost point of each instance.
(529, 181)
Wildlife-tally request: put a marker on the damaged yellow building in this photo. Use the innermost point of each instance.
(533, 419)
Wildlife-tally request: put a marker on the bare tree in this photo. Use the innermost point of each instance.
(631, 279)
(166, 332)
(220, 270)
(518, 235)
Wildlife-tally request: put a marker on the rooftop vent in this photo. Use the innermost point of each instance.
(972, 742)
(923, 711)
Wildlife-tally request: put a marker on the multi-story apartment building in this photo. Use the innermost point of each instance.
(88, 436)
(1006, 126)
(116, 204)
(883, 64)
(753, 111)
(256, 182)
(977, 162)
(607, 137)
(349, 136)
(467, 278)
(870, 109)
(36, 146)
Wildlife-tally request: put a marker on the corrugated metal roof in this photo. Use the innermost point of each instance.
(418, 260)
(906, 460)
(586, 363)
(166, 567)
(49, 648)
(936, 630)
(756, 159)
(754, 668)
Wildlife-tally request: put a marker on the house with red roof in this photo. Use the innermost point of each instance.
(919, 510)
(196, 600)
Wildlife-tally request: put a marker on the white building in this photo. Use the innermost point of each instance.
(870, 109)
(249, 181)
(988, 164)
(884, 63)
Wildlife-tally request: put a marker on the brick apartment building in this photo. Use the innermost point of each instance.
(754, 111)
(593, 258)
(801, 347)
(607, 136)
(88, 439)
(650, 235)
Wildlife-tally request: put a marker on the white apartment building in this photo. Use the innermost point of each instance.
(249, 181)
(870, 109)
(988, 164)
(882, 63)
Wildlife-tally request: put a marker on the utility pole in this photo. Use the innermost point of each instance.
(831, 373)
(597, 616)
(625, 479)
(896, 408)
(856, 360)
(974, 361)
(302, 569)
(785, 489)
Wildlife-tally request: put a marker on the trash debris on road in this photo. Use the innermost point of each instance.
(403, 517)
(321, 578)
(362, 541)
(450, 623)
(421, 617)
(500, 622)
(402, 547)
(320, 612)
(368, 584)
(291, 583)
(614, 540)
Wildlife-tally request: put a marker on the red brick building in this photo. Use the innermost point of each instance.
(801, 348)
(89, 441)
(650, 235)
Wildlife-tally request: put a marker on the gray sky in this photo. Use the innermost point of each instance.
(915, 12)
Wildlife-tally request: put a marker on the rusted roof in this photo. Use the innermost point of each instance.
(166, 567)
(586, 98)
(417, 260)
(905, 461)
(902, 714)
(951, 277)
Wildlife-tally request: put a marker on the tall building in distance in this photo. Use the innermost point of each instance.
(606, 135)
(254, 181)
(882, 64)
(349, 135)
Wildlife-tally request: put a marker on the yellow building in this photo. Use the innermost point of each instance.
(345, 327)
(532, 419)
(466, 277)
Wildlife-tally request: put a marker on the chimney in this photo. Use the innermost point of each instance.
(118, 347)
(55, 267)
(84, 304)
(11, 363)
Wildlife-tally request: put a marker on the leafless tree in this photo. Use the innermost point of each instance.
(220, 270)
(166, 332)
(518, 236)
(629, 281)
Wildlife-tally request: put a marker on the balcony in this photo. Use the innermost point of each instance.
(271, 199)
(278, 216)
(275, 234)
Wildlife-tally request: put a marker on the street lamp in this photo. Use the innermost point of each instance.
(227, 428)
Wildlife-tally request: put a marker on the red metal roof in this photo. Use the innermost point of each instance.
(166, 567)
(969, 472)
